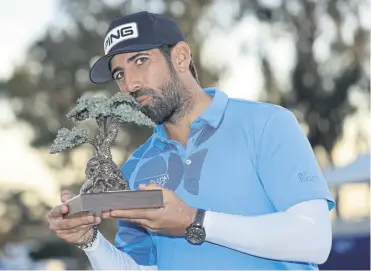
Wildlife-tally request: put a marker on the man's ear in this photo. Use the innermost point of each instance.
(181, 56)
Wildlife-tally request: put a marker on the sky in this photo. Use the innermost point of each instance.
(22, 22)
(21, 167)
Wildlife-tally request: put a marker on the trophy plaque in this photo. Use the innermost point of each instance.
(105, 187)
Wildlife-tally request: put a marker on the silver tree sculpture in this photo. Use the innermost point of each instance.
(102, 174)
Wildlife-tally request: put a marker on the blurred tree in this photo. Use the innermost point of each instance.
(21, 213)
(331, 61)
(22, 216)
(55, 73)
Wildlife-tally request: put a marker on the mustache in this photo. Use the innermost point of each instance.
(142, 92)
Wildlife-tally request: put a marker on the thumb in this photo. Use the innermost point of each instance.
(66, 195)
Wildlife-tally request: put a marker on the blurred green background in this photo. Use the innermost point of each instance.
(312, 57)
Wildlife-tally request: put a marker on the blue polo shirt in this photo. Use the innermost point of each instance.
(242, 157)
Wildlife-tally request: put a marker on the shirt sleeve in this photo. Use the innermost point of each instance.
(302, 234)
(286, 164)
(104, 256)
(131, 238)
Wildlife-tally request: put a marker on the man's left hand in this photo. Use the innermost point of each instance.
(172, 219)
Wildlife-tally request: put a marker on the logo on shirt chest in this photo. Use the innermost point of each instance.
(162, 180)
(169, 172)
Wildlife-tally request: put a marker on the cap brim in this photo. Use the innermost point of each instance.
(100, 72)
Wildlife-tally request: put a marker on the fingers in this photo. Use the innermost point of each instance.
(66, 195)
(75, 237)
(58, 212)
(67, 192)
(81, 228)
(150, 186)
(130, 214)
(72, 223)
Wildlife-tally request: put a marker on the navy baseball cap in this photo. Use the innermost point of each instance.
(134, 33)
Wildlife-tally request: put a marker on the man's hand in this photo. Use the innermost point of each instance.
(76, 230)
(173, 219)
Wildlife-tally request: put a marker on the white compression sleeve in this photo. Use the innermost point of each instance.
(104, 256)
(303, 233)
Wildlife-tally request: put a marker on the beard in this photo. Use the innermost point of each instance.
(169, 103)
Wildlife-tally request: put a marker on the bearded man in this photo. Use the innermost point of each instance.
(242, 188)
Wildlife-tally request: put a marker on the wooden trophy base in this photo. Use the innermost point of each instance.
(96, 203)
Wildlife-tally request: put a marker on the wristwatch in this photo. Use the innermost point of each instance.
(195, 233)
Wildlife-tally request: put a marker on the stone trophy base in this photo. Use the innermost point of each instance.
(96, 203)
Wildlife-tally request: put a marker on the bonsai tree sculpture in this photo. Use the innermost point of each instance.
(102, 174)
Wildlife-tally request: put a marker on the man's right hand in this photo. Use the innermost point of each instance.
(76, 230)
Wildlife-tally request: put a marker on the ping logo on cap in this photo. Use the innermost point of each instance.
(120, 33)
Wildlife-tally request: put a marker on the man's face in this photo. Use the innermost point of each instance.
(152, 81)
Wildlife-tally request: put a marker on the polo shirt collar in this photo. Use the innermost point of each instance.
(215, 111)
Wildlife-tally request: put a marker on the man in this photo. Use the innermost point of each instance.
(242, 188)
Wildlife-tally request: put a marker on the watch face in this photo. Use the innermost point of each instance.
(196, 235)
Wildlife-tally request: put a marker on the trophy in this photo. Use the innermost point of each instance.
(105, 187)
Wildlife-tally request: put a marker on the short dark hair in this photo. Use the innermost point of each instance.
(166, 51)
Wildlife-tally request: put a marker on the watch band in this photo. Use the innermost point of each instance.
(199, 218)
(91, 242)
(195, 233)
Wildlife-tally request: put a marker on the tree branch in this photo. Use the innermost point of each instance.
(105, 133)
(113, 131)
(101, 135)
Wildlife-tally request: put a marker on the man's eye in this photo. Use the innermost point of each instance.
(140, 61)
(119, 76)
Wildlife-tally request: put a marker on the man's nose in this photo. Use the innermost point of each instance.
(132, 84)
